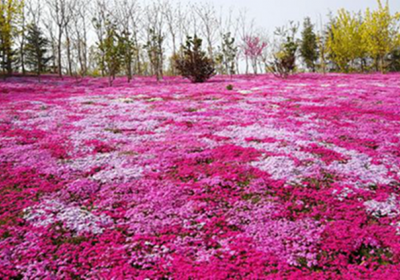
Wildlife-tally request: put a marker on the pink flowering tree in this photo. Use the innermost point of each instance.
(253, 49)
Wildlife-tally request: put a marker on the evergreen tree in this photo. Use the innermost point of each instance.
(194, 63)
(36, 49)
(309, 46)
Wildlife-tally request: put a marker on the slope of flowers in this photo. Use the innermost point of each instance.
(293, 179)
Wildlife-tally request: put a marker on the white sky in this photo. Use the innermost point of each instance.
(270, 14)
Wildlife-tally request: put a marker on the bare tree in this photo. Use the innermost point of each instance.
(210, 24)
(32, 17)
(34, 11)
(136, 21)
(155, 37)
(22, 36)
(190, 25)
(68, 47)
(60, 11)
(266, 53)
(69, 16)
(80, 34)
(99, 22)
(53, 42)
(126, 15)
(172, 14)
(181, 17)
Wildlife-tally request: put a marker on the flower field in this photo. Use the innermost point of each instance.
(275, 179)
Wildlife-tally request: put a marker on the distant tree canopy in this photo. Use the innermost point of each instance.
(113, 38)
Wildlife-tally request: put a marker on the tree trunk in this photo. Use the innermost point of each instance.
(22, 57)
(84, 53)
(139, 66)
(39, 68)
(79, 49)
(3, 64)
(9, 61)
(173, 53)
(59, 66)
(68, 52)
(129, 68)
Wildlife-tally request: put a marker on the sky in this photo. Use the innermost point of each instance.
(270, 14)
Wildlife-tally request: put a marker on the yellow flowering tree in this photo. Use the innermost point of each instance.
(344, 40)
(381, 34)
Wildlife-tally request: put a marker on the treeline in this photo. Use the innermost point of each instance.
(131, 37)
(366, 41)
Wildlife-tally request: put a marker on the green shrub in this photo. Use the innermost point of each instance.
(229, 87)
(194, 63)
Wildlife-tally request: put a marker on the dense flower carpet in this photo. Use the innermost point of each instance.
(275, 179)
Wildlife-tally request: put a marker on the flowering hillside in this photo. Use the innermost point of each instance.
(275, 179)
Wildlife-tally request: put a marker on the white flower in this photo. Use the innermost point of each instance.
(278, 167)
(73, 218)
(390, 207)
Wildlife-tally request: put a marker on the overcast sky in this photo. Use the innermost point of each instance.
(270, 14)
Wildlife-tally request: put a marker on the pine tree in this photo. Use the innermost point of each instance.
(194, 63)
(309, 46)
(36, 49)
